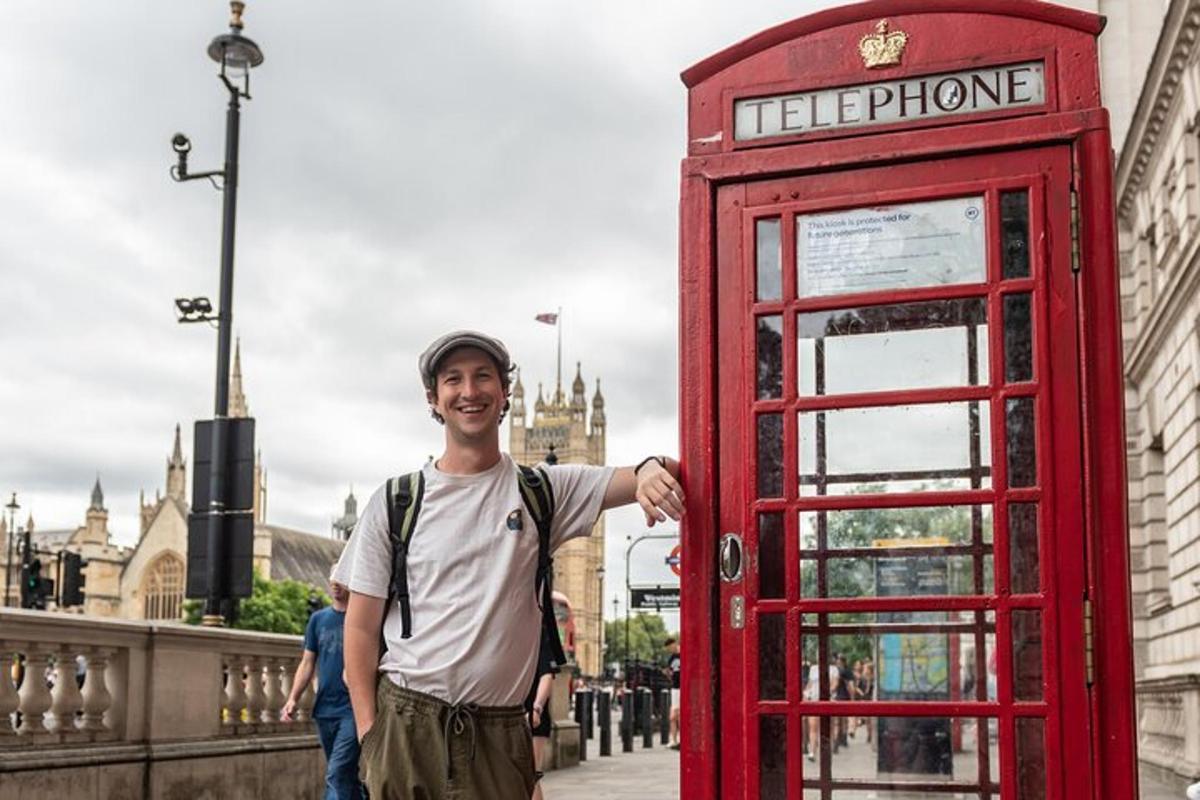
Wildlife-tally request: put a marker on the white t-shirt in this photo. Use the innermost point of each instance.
(472, 559)
(812, 690)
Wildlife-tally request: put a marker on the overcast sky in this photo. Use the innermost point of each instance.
(406, 169)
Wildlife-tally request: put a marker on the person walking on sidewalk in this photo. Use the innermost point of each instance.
(449, 565)
(674, 667)
(331, 711)
(537, 707)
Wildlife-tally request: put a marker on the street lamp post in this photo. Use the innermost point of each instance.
(628, 586)
(13, 506)
(237, 55)
(600, 615)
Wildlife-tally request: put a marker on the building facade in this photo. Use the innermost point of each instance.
(1158, 222)
(147, 580)
(561, 426)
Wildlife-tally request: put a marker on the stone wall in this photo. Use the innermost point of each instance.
(149, 710)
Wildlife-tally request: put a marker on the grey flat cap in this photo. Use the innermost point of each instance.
(441, 347)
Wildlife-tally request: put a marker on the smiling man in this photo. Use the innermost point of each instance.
(448, 600)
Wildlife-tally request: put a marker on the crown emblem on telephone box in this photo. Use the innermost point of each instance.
(882, 48)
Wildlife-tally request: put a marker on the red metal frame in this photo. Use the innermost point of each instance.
(1079, 377)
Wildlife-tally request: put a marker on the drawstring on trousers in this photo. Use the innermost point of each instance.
(459, 719)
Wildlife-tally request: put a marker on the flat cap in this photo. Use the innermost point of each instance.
(441, 347)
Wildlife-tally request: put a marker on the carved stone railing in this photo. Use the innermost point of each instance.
(100, 678)
(81, 694)
(1169, 727)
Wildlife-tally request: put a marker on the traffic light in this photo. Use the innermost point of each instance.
(34, 588)
(29, 582)
(73, 579)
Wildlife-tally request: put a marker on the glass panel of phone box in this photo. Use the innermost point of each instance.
(918, 656)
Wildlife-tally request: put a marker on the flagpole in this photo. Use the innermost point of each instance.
(558, 390)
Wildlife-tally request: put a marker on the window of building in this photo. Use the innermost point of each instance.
(162, 588)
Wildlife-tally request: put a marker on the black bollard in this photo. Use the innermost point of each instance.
(604, 715)
(591, 713)
(664, 719)
(581, 712)
(627, 722)
(647, 723)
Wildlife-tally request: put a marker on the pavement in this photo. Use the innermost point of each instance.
(654, 774)
(640, 775)
(1153, 790)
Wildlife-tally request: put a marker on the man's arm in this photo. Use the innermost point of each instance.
(304, 673)
(364, 620)
(545, 684)
(656, 489)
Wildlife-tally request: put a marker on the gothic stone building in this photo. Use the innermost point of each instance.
(146, 581)
(561, 426)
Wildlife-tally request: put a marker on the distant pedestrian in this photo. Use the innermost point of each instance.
(812, 693)
(331, 711)
(674, 665)
(842, 694)
(537, 708)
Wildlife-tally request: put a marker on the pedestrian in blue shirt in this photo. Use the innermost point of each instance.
(331, 712)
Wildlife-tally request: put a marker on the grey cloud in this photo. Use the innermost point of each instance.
(406, 169)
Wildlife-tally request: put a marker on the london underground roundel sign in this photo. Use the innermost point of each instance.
(675, 559)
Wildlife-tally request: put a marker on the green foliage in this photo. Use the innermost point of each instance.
(856, 577)
(647, 632)
(274, 607)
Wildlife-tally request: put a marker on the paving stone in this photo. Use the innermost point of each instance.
(640, 775)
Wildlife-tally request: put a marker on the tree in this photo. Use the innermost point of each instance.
(274, 607)
(856, 577)
(647, 632)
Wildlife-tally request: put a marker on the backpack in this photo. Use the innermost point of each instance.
(404, 506)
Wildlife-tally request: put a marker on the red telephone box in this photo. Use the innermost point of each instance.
(902, 394)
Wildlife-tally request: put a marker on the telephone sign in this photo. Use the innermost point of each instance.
(902, 393)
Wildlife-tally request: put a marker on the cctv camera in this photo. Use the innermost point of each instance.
(181, 143)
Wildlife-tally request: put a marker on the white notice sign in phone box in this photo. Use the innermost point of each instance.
(936, 243)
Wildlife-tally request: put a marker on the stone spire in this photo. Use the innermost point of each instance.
(95, 529)
(578, 391)
(260, 490)
(177, 450)
(237, 397)
(344, 525)
(97, 497)
(177, 469)
(539, 406)
(597, 408)
(518, 400)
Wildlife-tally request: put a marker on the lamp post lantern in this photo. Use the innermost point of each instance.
(237, 55)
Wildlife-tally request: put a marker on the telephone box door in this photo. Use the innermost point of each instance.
(902, 543)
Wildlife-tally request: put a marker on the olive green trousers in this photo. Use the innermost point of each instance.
(421, 748)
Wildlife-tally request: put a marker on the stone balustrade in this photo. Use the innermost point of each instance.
(1169, 728)
(95, 672)
(80, 694)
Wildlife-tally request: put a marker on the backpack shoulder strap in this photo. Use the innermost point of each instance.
(404, 495)
(538, 495)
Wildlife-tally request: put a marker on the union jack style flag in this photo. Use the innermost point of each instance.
(549, 319)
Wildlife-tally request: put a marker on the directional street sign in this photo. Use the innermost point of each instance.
(654, 598)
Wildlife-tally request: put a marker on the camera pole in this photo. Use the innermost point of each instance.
(215, 543)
